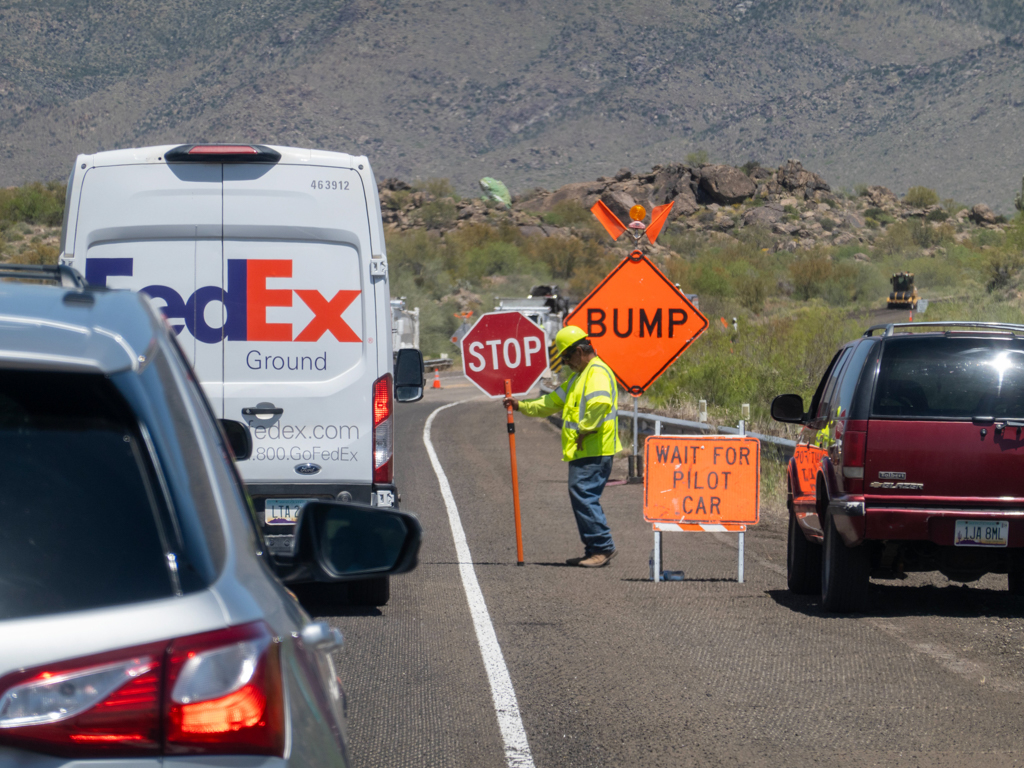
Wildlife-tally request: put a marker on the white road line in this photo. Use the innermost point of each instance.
(517, 748)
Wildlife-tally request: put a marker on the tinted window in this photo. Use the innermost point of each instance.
(853, 373)
(950, 378)
(825, 409)
(78, 513)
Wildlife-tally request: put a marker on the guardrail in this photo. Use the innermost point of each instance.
(699, 425)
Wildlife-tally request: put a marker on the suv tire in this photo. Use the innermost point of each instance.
(803, 561)
(845, 572)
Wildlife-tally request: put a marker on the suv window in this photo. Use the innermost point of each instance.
(950, 378)
(844, 401)
(825, 409)
(78, 508)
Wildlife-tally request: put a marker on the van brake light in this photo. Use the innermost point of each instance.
(383, 431)
(222, 153)
(855, 444)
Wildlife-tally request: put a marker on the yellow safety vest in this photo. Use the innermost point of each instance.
(588, 401)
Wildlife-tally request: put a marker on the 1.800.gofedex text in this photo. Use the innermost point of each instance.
(298, 453)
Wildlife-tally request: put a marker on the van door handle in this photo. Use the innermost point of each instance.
(257, 411)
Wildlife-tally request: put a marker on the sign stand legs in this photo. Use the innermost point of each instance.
(656, 555)
(636, 470)
(739, 576)
(515, 475)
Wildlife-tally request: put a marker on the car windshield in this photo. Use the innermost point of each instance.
(78, 514)
(950, 378)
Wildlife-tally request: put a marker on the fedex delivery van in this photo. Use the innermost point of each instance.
(269, 265)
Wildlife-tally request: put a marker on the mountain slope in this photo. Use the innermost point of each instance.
(895, 93)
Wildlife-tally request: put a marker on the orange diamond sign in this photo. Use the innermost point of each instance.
(638, 321)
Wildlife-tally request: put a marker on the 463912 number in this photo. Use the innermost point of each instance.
(322, 184)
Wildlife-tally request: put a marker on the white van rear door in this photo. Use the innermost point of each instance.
(157, 228)
(301, 369)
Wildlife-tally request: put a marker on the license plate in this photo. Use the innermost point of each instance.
(981, 533)
(282, 511)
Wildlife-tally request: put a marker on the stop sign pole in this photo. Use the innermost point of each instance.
(504, 354)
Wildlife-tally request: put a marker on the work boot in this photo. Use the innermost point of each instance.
(597, 560)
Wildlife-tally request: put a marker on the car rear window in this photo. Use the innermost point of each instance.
(950, 378)
(78, 513)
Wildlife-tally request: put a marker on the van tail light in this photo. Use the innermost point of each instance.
(855, 444)
(383, 431)
(215, 693)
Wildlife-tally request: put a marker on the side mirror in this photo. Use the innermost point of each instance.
(341, 541)
(409, 377)
(788, 408)
(239, 438)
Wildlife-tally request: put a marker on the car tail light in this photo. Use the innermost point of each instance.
(107, 705)
(855, 443)
(383, 431)
(215, 693)
(225, 693)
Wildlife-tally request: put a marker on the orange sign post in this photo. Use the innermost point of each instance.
(701, 483)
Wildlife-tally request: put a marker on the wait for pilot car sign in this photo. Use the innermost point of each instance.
(706, 479)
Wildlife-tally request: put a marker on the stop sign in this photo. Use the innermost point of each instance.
(504, 345)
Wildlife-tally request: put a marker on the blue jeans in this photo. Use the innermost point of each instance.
(586, 483)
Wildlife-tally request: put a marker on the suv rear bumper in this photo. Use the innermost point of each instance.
(857, 522)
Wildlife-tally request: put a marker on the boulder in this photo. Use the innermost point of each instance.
(619, 203)
(880, 197)
(982, 214)
(765, 215)
(725, 184)
(532, 232)
(673, 183)
(584, 193)
(794, 177)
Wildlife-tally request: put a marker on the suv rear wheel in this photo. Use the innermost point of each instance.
(845, 572)
(803, 561)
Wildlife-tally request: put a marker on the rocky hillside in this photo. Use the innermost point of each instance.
(798, 207)
(536, 93)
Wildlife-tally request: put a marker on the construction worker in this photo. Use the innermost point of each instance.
(590, 437)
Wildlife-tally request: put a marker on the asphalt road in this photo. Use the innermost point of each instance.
(610, 669)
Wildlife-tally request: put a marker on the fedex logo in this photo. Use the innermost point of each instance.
(246, 300)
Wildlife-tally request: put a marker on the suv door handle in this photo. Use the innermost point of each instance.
(257, 411)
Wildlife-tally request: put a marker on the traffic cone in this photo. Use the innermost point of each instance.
(437, 380)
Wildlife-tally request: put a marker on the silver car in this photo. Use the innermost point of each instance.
(139, 614)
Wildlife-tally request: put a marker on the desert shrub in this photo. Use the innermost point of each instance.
(861, 190)
(697, 158)
(809, 273)
(828, 224)
(34, 203)
(750, 166)
(1003, 266)
(438, 214)
(879, 215)
(921, 197)
(37, 253)
(438, 188)
(396, 201)
(937, 215)
(568, 213)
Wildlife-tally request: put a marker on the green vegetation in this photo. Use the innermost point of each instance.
(30, 217)
(921, 197)
(697, 158)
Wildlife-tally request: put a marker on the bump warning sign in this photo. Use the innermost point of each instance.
(707, 479)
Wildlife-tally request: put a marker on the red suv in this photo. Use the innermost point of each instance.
(910, 459)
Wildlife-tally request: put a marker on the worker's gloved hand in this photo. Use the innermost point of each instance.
(511, 402)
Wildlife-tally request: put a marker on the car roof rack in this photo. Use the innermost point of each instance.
(62, 274)
(890, 328)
